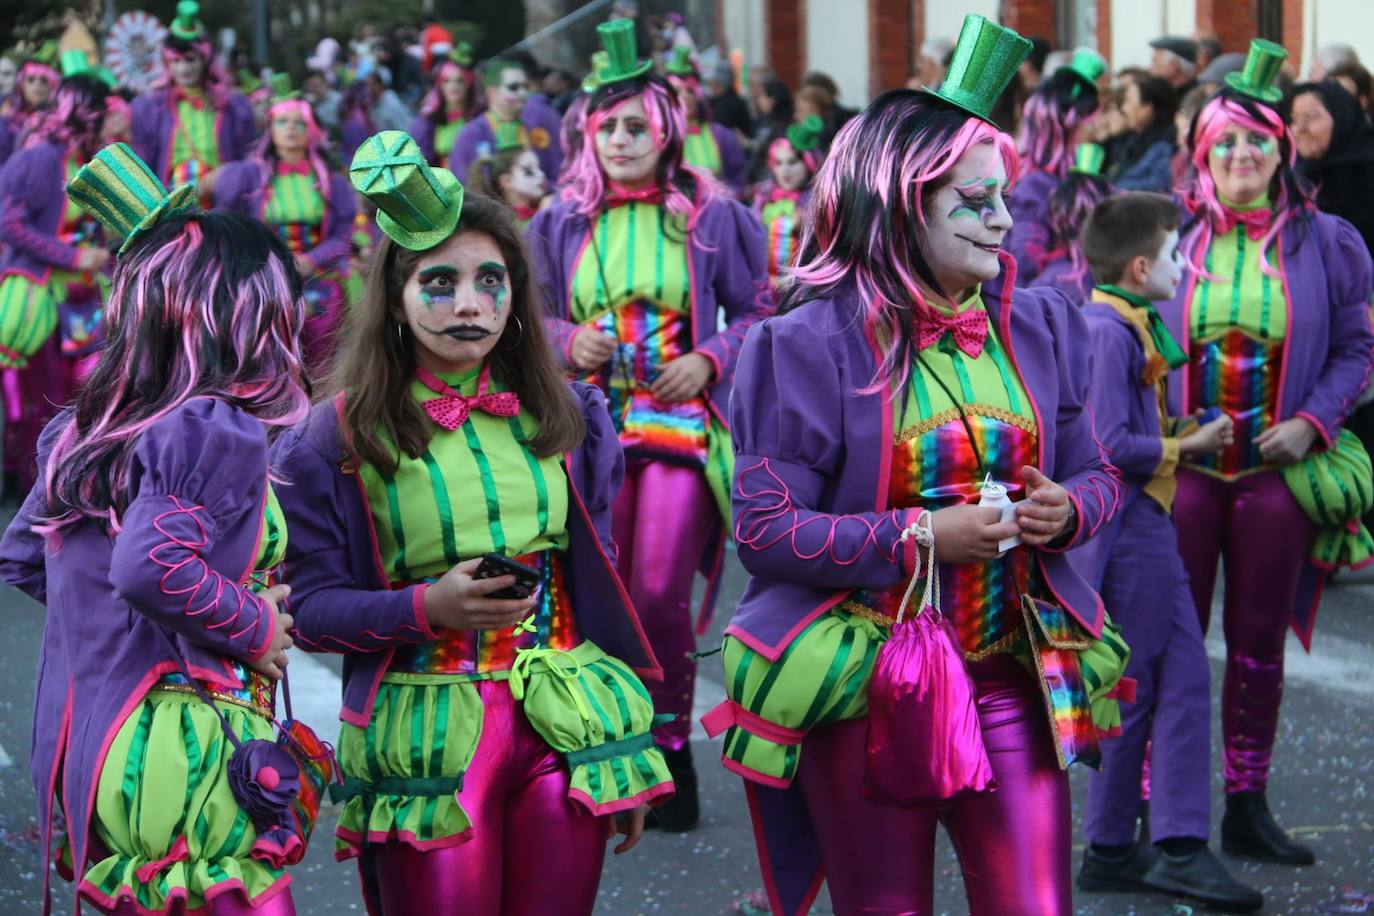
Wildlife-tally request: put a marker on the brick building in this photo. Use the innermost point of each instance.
(871, 45)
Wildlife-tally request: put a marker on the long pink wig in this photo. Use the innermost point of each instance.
(21, 107)
(432, 105)
(866, 221)
(73, 119)
(218, 86)
(1052, 116)
(315, 144)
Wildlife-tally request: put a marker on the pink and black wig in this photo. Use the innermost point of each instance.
(1069, 208)
(432, 105)
(865, 225)
(207, 305)
(811, 157)
(1053, 114)
(316, 144)
(18, 106)
(692, 85)
(1290, 196)
(217, 84)
(73, 119)
(686, 190)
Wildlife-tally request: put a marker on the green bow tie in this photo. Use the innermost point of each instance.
(1164, 341)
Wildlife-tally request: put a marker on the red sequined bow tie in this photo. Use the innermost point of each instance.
(780, 193)
(616, 195)
(970, 329)
(452, 409)
(294, 168)
(1256, 221)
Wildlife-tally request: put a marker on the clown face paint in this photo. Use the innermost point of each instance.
(506, 99)
(1165, 271)
(524, 184)
(8, 72)
(457, 302)
(1242, 163)
(966, 222)
(789, 170)
(188, 70)
(625, 147)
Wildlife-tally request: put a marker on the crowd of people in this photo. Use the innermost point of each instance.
(467, 371)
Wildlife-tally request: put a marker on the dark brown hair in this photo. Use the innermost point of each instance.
(377, 361)
(1124, 227)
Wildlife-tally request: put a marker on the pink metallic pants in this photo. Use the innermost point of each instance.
(1263, 536)
(661, 521)
(33, 396)
(532, 850)
(1013, 843)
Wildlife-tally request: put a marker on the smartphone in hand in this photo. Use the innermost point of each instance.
(494, 564)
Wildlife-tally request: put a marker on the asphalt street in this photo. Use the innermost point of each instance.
(1321, 789)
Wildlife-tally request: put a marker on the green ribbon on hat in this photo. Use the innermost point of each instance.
(805, 135)
(600, 61)
(417, 206)
(985, 59)
(187, 25)
(118, 189)
(681, 64)
(618, 40)
(1262, 66)
(1088, 159)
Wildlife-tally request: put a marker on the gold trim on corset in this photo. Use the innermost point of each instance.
(951, 415)
(864, 612)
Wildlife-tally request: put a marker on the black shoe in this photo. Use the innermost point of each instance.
(1201, 876)
(1248, 829)
(1143, 839)
(1110, 875)
(682, 811)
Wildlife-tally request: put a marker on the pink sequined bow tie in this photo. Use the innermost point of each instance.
(452, 409)
(970, 329)
(294, 168)
(1256, 221)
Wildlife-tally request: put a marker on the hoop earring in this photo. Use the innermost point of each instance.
(520, 335)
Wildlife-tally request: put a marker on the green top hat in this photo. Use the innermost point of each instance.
(1087, 65)
(1261, 67)
(120, 191)
(1088, 159)
(75, 63)
(417, 206)
(984, 61)
(282, 90)
(618, 38)
(805, 135)
(248, 83)
(681, 64)
(462, 54)
(186, 25)
(46, 55)
(592, 82)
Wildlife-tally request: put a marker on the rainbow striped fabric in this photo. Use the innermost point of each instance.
(295, 209)
(782, 222)
(195, 148)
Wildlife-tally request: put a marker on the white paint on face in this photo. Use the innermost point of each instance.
(188, 70)
(524, 184)
(789, 171)
(8, 72)
(507, 98)
(625, 145)
(967, 221)
(457, 303)
(1165, 271)
(1243, 162)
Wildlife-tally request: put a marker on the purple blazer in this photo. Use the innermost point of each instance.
(477, 133)
(733, 163)
(154, 119)
(33, 199)
(812, 467)
(340, 596)
(1057, 273)
(189, 539)
(241, 189)
(1030, 231)
(1328, 348)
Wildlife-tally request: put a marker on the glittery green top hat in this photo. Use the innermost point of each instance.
(186, 25)
(1087, 65)
(417, 206)
(462, 54)
(1088, 159)
(984, 61)
(592, 82)
(618, 38)
(805, 135)
(1262, 65)
(120, 191)
(681, 64)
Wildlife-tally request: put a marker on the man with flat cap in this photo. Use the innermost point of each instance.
(1175, 60)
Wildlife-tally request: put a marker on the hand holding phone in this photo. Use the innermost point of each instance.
(459, 600)
(495, 564)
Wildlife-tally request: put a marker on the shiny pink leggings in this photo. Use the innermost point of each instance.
(660, 522)
(1262, 536)
(532, 850)
(1013, 844)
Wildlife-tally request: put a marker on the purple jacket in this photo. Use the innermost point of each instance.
(240, 189)
(198, 484)
(1057, 273)
(33, 199)
(1030, 231)
(340, 596)
(733, 163)
(154, 117)
(1327, 351)
(541, 123)
(812, 466)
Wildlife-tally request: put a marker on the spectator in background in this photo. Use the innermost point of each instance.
(560, 88)
(388, 112)
(725, 103)
(1213, 75)
(325, 99)
(812, 101)
(773, 107)
(839, 113)
(1183, 121)
(931, 63)
(1144, 159)
(1354, 79)
(1329, 57)
(1174, 60)
(1209, 48)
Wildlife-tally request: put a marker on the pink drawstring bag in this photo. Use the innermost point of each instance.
(925, 746)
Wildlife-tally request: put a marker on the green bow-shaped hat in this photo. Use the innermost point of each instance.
(618, 39)
(417, 206)
(984, 61)
(1088, 159)
(681, 64)
(462, 54)
(187, 25)
(805, 135)
(282, 89)
(1262, 65)
(120, 191)
(592, 82)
